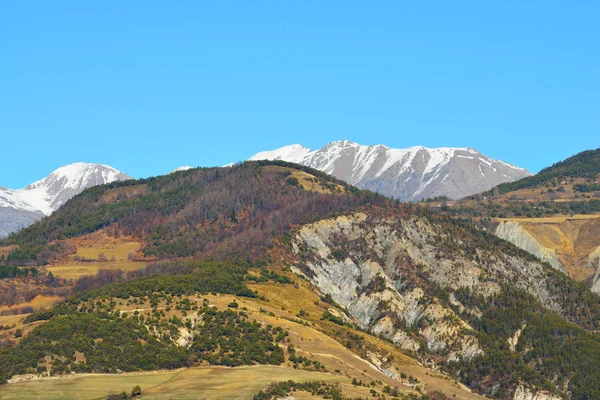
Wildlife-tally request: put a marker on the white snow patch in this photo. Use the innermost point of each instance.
(182, 168)
(293, 153)
(75, 177)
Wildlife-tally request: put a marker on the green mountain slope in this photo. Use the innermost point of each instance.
(215, 213)
(585, 165)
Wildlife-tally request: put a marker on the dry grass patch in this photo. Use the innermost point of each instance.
(307, 181)
(194, 383)
(77, 270)
(39, 302)
(553, 219)
(6, 250)
(119, 252)
(9, 320)
(316, 341)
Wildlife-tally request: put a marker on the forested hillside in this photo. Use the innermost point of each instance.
(233, 250)
(212, 213)
(585, 165)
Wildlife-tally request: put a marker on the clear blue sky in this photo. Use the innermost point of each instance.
(146, 86)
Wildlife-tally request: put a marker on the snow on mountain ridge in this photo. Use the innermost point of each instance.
(182, 168)
(292, 153)
(22, 207)
(11, 198)
(406, 174)
(47, 194)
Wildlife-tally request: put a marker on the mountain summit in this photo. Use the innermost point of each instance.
(22, 207)
(406, 174)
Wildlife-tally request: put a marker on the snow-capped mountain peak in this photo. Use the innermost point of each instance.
(407, 174)
(292, 153)
(48, 194)
(19, 208)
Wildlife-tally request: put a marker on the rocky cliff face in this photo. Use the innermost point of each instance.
(404, 278)
(526, 394)
(570, 245)
(385, 273)
(594, 263)
(514, 233)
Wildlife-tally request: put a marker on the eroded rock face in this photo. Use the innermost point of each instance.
(514, 233)
(385, 273)
(525, 394)
(594, 262)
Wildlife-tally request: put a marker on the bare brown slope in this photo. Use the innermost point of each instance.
(573, 238)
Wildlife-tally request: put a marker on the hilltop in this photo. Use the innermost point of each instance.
(574, 177)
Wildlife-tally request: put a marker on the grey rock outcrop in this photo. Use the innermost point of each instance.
(383, 272)
(513, 232)
(594, 262)
(523, 393)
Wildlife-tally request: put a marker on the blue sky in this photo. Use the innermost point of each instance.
(146, 86)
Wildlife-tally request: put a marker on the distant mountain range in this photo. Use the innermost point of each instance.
(22, 207)
(406, 174)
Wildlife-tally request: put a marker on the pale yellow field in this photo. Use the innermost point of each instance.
(119, 252)
(194, 383)
(39, 302)
(555, 219)
(11, 319)
(76, 270)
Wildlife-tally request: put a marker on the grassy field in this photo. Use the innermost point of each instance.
(119, 252)
(551, 220)
(76, 270)
(85, 261)
(194, 383)
(38, 303)
(8, 320)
